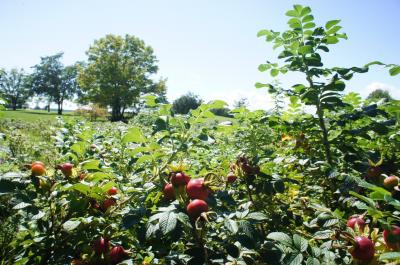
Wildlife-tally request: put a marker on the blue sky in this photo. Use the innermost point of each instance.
(208, 47)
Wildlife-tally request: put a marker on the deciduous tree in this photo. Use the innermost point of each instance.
(51, 79)
(13, 87)
(118, 71)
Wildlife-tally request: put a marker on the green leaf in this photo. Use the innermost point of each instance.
(38, 216)
(331, 23)
(167, 222)
(363, 198)
(296, 259)
(245, 227)
(79, 148)
(274, 72)
(281, 238)
(390, 256)
(331, 40)
(91, 164)
(374, 63)
(292, 13)
(231, 225)
(312, 261)
(307, 18)
(150, 100)
(263, 67)
(309, 25)
(261, 85)
(257, 216)
(305, 11)
(21, 205)
(82, 188)
(134, 135)
(71, 225)
(333, 30)
(263, 32)
(184, 219)
(305, 49)
(394, 70)
(298, 8)
(300, 243)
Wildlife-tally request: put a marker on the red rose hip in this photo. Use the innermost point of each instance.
(118, 254)
(392, 238)
(231, 177)
(169, 192)
(364, 249)
(196, 189)
(196, 207)
(112, 191)
(179, 179)
(356, 220)
(101, 246)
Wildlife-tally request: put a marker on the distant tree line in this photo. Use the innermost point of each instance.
(118, 70)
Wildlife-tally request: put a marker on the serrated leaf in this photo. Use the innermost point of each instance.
(231, 225)
(38, 216)
(245, 227)
(184, 219)
(312, 261)
(390, 256)
(331, 222)
(394, 70)
(331, 23)
(300, 243)
(296, 259)
(71, 225)
(281, 238)
(257, 216)
(21, 205)
(91, 164)
(263, 32)
(134, 135)
(83, 188)
(167, 222)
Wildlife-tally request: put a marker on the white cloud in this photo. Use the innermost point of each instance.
(394, 91)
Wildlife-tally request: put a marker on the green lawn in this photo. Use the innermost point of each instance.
(35, 115)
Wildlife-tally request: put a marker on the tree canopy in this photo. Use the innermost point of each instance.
(185, 103)
(51, 79)
(118, 71)
(13, 87)
(379, 94)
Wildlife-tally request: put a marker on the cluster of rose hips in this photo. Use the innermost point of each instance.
(195, 189)
(364, 248)
(108, 202)
(101, 248)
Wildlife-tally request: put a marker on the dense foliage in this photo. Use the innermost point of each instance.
(185, 103)
(279, 187)
(53, 80)
(14, 88)
(118, 72)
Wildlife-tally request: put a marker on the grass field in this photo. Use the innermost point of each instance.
(41, 115)
(35, 115)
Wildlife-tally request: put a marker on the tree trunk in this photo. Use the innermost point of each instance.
(116, 114)
(59, 107)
